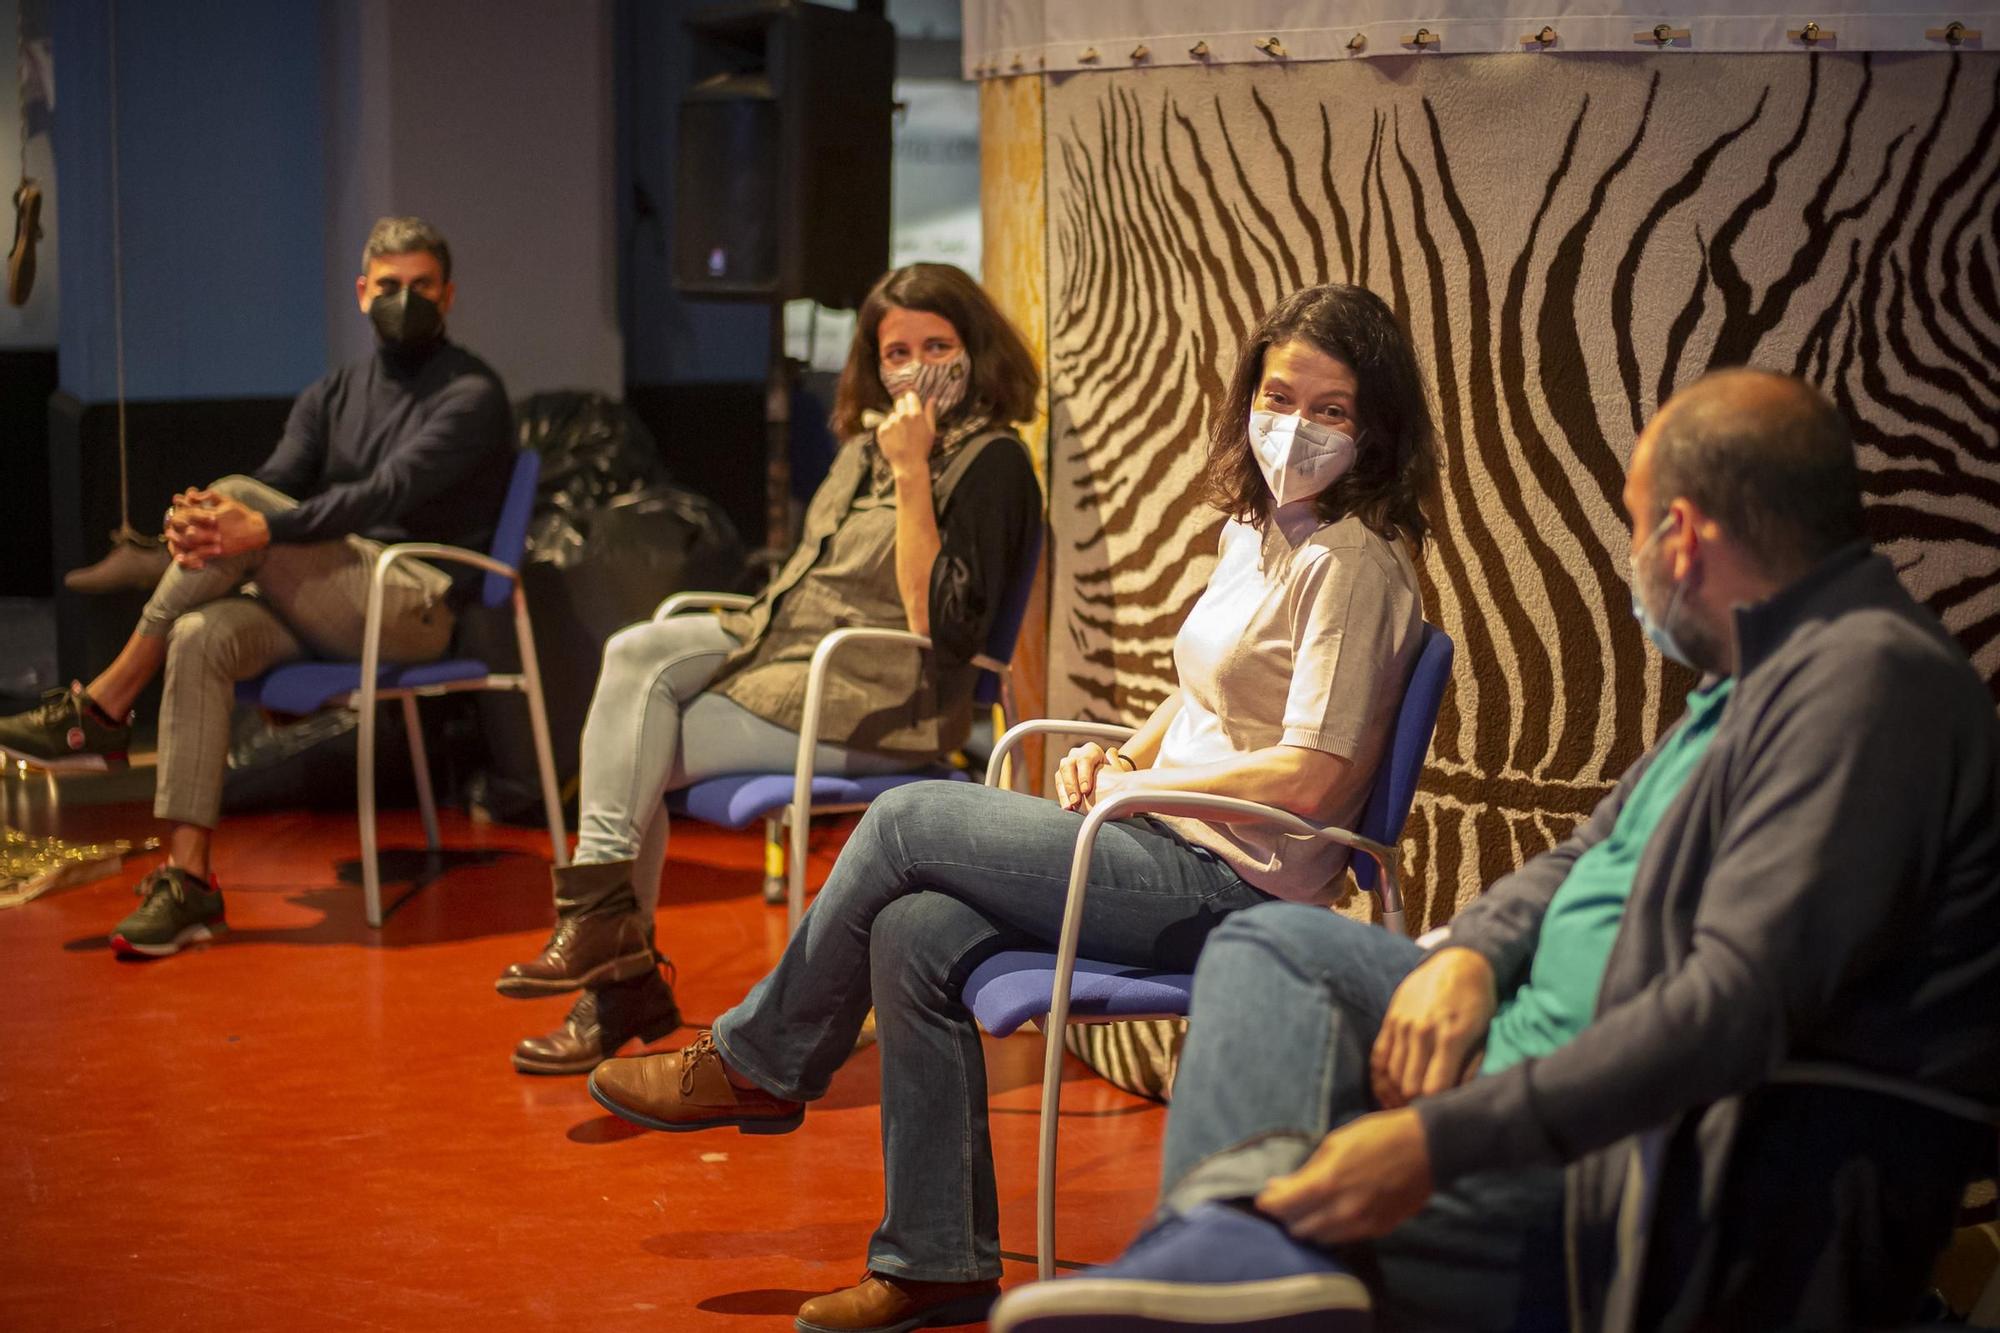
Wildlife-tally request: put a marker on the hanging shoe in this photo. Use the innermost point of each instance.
(64, 734)
(128, 567)
(600, 1023)
(27, 231)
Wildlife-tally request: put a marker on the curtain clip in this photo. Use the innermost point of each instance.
(1662, 35)
(1953, 33)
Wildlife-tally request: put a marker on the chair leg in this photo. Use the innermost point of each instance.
(795, 868)
(1045, 1168)
(538, 723)
(1389, 889)
(364, 777)
(420, 764)
(774, 859)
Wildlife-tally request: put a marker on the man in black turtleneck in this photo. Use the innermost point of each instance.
(412, 444)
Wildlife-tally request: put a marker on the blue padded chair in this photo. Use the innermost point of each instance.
(305, 687)
(1018, 985)
(736, 800)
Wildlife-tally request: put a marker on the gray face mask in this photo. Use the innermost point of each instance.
(1657, 631)
(405, 319)
(940, 383)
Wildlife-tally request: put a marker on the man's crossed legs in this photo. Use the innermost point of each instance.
(1288, 1000)
(208, 631)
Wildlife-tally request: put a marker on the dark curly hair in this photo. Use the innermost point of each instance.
(1005, 382)
(1391, 485)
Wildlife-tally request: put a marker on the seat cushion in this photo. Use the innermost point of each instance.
(1015, 986)
(305, 687)
(742, 798)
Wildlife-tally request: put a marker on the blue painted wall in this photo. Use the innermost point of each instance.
(222, 196)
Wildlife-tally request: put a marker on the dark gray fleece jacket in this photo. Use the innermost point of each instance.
(1824, 889)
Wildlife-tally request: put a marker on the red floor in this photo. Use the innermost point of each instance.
(309, 1125)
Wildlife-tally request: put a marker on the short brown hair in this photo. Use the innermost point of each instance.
(1391, 484)
(1005, 383)
(1769, 458)
(404, 236)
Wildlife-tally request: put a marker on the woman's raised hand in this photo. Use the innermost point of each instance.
(906, 435)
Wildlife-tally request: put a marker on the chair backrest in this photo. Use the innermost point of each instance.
(510, 532)
(1402, 767)
(1006, 630)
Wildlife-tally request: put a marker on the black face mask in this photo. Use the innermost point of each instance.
(405, 319)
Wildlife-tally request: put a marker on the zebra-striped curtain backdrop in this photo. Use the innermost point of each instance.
(1568, 241)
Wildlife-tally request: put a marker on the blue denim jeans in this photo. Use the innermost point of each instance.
(938, 877)
(1287, 1002)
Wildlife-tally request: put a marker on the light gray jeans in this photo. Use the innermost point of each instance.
(310, 600)
(652, 729)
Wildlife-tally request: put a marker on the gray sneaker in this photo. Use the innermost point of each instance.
(179, 909)
(62, 734)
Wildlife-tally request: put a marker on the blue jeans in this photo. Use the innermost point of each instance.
(1287, 1002)
(938, 877)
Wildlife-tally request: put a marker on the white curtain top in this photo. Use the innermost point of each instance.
(1004, 37)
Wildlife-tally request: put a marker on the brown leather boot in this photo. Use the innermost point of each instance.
(599, 936)
(689, 1089)
(882, 1304)
(599, 1023)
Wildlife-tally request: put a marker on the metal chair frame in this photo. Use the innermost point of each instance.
(527, 682)
(1236, 810)
(502, 583)
(786, 818)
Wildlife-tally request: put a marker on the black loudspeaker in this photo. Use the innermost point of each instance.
(781, 188)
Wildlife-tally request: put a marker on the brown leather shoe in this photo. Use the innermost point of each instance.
(688, 1089)
(599, 1023)
(881, 1304)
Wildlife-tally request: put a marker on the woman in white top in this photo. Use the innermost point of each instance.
(1290, 667)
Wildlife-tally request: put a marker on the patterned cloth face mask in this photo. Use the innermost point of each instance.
(940, 383)
(1298, 458)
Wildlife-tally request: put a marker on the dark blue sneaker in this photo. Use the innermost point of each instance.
(178, 910)
(1215, 1267)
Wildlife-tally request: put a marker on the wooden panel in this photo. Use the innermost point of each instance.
(1013, 214)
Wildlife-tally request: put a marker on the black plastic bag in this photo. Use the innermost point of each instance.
(612, 537)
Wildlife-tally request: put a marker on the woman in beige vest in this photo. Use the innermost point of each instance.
(918, 526)
(1290, 667)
